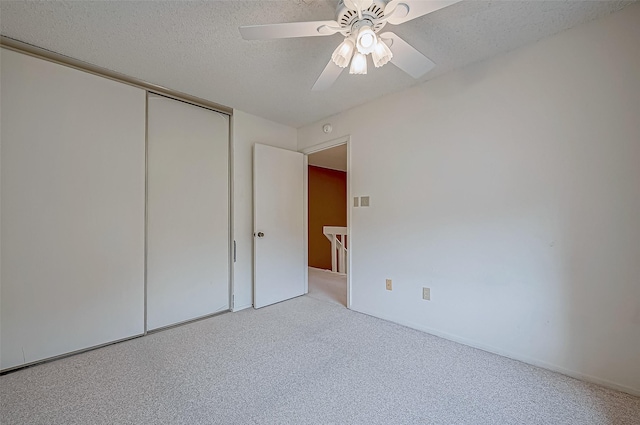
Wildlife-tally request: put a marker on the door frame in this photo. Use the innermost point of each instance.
(344, 140)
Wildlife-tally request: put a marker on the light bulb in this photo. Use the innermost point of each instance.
(381, 54)
(342, 55)
(366, 40)
(358, 64)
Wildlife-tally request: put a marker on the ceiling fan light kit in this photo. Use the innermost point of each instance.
(366, 40)
(360, 21)
(381, 54)
(358, 64)
(343, 53)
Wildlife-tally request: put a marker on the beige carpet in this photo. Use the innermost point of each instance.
(327, 286)
(302, 361)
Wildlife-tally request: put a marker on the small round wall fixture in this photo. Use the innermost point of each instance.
(327, 128)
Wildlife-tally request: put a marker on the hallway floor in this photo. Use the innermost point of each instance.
(324, 285)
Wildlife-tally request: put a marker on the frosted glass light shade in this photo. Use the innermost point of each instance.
(342, 55)
(366, 41)
(358, 64)
(381, 54)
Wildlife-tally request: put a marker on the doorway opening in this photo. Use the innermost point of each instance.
(328, 241)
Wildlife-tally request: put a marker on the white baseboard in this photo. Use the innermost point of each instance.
(504, 353)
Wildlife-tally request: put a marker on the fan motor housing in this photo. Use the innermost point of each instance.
(348, 18)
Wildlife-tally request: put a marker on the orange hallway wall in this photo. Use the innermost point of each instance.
(327, 207)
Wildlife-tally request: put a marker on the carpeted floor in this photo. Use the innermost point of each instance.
(303, 361)
(327, 286)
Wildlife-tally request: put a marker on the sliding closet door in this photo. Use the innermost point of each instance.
(188, 212)
(72, 210)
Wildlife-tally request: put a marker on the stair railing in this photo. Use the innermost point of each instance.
(339, 252)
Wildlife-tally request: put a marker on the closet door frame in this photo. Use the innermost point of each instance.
(49, 56)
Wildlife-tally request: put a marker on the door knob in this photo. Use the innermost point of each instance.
(260, 235)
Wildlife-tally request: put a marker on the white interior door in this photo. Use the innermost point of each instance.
(279, 225)
(188, 212)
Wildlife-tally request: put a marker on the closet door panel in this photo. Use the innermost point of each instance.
(188, 212)
(72, 210)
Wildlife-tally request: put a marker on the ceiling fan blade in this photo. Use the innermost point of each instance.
(406, 57)
(406, 10)
(328, 77)
(289, 30)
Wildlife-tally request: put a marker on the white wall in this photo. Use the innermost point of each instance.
(512, 190)
(247, 130)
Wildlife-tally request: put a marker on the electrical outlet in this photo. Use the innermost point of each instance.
(389, 285)
(426, 294)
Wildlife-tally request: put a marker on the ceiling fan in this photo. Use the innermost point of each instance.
(360, 22)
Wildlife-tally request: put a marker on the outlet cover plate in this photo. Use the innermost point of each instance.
(389, 285)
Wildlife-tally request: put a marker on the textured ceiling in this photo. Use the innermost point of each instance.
(195, 47)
